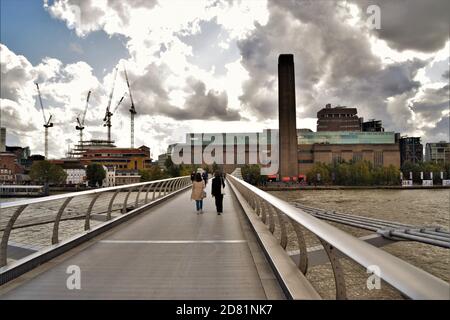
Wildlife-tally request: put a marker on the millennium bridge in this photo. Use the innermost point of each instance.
(145, 241)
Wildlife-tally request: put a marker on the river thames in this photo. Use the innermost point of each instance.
(417, 207)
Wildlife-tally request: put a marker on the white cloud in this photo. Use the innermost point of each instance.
(338, 60)
(63, 89)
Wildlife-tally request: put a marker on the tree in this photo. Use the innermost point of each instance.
(214, 167)
(171, 169)
(320, 173)
(251, 173)
(46, 172)
(153, 173)
(95, 174)
(186, 170)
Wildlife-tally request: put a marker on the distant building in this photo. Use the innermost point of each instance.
(339, 118)
(75, 170)
(411, 150)
(2, 139)
(123, 177)
(8, 168)
(379, 148)
(372, 126)
(438, 152)
(36, 157)
(22, 153)
(110, 179)
(120, 158)
(238, 143)
(76, 175)
(163, 157)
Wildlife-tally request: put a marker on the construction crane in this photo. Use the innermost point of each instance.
(80, 125)
(120, 101)
(108, 114)
(47, 123)
(132, 109)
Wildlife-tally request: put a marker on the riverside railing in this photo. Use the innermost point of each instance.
(52, 209)
(411, 281)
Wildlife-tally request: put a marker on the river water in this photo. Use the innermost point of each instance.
(417, 207)
(3, 200)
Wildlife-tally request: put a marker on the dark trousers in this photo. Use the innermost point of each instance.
(219, 203)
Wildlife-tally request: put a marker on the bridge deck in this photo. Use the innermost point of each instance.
(169, 252)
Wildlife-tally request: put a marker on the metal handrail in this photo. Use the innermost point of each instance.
(77, 194)
(411, 281)
(21, 205)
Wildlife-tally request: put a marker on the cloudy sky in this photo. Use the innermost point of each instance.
(211, 66)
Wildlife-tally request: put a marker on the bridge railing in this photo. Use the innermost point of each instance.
(77, 209)
(411, 281)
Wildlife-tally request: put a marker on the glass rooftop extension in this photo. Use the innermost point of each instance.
(346, 137)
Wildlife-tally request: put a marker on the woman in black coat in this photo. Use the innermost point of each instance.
(216, 191)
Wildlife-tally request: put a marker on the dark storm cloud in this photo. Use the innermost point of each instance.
(431, 105)
(15, 73)
(412, 24)
(152, 98)
(440, 132)
(201, 104)
(445, 75)
(333, 63)
(12, 119)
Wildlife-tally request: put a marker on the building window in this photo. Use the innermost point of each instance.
(357, 156)
(378, 158)
(337, 158)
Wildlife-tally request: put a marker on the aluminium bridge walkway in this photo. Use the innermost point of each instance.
(145, 241)
(166, 252)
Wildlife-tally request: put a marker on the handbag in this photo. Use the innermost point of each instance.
(204, 194)
(222, 188)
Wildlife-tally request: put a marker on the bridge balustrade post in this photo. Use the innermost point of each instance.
(253, 203)
(338, 271)
(154, 189)
(282, 222)
(303, 255)
(163, 186)
(169, 187)
(108, 214)
(262, 213)
(179, 184)
(87, 222)
(268, 209)
(6, 234)
(137, 197)
(172, 185)
(124, 207)
(249, 198)
(55, 239)
(146, 193)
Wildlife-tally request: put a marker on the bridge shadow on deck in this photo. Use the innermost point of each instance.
(168, 252)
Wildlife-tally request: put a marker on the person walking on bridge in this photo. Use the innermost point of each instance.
(205, 177)
(217, 191)
(198, 192)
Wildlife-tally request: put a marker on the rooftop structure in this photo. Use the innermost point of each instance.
(339, 118)
(346, 137)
